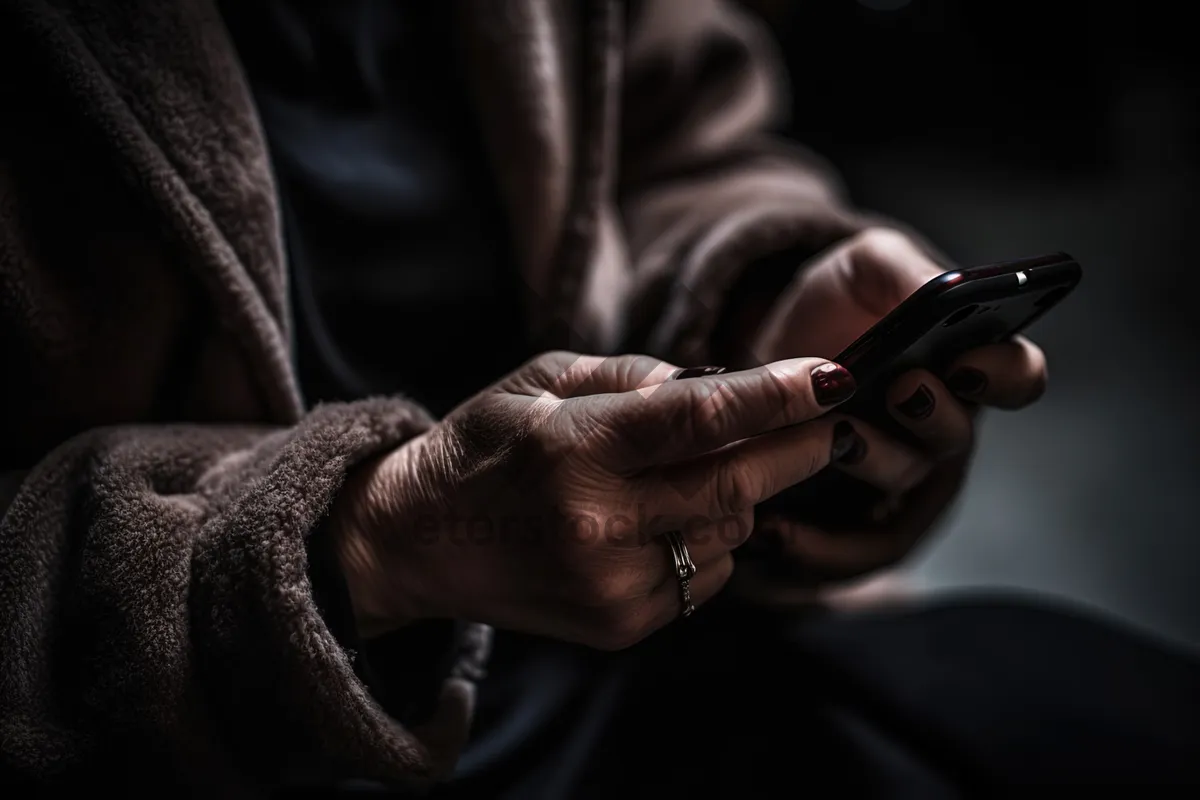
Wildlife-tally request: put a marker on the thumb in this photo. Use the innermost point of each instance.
(843, 292)
(882, 267)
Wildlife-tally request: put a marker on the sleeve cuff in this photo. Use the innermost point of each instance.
(404, 670)
(771, 237)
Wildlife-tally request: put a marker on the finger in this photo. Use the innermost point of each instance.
(709, 579)
(590, 375)
(641, 612)
(635, 564)
(880, 460)
(729, 482)
(883, 267)
(819, 555)
(683, 419)
(923, 404)
(544, 374)
(617, 374)
(1007, 375)
(835, 556)
(840, 293)
(562, 374)
(709, 540)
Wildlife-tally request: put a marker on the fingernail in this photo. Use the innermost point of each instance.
(832, 384)
(967, 380)
(919, 406)
(697, 372)
(848, 446)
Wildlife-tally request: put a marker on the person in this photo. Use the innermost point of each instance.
(344, 337)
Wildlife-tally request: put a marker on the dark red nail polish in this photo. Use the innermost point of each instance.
(919, 405)
(848, 447)
(832, 384)
(696, 372)
(967, 381)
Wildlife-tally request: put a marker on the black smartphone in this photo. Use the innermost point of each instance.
(954, 312)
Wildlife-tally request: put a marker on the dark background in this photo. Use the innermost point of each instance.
(1010, 129)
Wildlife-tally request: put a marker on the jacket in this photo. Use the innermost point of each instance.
(163, 472)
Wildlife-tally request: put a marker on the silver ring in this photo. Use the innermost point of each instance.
(685, 570)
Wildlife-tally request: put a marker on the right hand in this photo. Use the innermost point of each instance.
(539, 505)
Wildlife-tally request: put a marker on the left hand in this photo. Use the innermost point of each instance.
(832, 302)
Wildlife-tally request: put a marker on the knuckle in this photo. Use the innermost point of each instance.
(694, 416)
(637, 369)
(734, 529)
(600, 576)
(550, 369)
(610, 588)
(880, 244)
(555, 357)
(777, 396)
(704, 421)
(816, 457)
(738, 486)
(542, 448)
(543, 363)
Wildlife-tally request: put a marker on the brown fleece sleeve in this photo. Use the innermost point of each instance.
(159, 623)
(706, 191)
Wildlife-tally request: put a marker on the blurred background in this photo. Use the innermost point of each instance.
(1010, 129)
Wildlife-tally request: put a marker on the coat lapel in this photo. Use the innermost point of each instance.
(520, 78)
(543, 74)
(160, 86)
(177, 113)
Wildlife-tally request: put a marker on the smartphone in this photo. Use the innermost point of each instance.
(952, 313)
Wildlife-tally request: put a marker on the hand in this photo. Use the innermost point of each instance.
(540, 504)
(830, 304)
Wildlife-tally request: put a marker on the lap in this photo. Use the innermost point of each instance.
(951, 698)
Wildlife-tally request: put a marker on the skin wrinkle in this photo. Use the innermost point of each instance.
(252, 669)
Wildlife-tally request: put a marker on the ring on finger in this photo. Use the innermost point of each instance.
(685, 570)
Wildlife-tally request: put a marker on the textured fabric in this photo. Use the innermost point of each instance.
(391, 220)
(157, 596)
(164, 480)
(183, 608)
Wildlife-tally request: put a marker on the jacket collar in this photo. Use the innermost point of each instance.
(161, 86)
(544, 74)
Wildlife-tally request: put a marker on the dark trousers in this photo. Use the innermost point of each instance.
(958, 697)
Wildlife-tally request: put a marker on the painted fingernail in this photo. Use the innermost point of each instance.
(919, 405)
(967, 380)
(697, 372)
(832, 384)
(848, 446)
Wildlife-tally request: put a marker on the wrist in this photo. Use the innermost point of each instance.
(364, 522)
